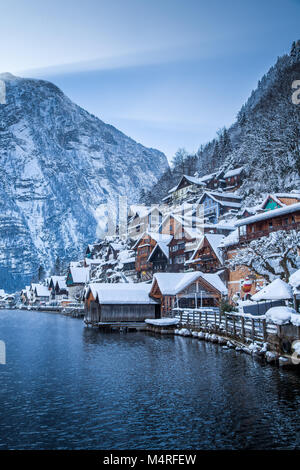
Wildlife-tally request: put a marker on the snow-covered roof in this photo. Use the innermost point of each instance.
(277, 290)
(231, 239)
(214, 239)
(269, 214)
(54, 279)
(235, 172)
(295, 279)
(41, 290)
(158, 237)
(283, 315)
(61, 283)
(122, 293)
(173, 283)
(164, 246)
(80, 275)
(91, 261)
(220, 198)
(288, 195)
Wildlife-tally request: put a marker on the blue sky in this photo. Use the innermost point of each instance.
(168, 73)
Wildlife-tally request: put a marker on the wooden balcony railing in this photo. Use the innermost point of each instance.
(264, 233)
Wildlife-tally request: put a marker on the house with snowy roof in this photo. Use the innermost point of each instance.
(277, 200)
(217, 203)
(208, 257)
(142, 218)
(187, 290)
(58, 287)
(143, 249)
(186, 229)
(41, 293)
(187, 187)
(242, 282)
(119, 304)
(233, 179)
(262, 224)
(77, 277)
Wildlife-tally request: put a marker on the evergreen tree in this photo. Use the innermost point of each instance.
(57, 266)
(41, 273)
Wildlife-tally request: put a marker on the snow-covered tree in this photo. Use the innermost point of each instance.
(273, 256)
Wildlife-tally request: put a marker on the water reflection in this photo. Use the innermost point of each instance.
(67, 386)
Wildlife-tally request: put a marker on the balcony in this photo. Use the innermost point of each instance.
(264, 233)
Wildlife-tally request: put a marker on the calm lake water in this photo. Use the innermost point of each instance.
(66, 386)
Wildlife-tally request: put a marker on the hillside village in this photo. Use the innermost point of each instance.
(177, 255)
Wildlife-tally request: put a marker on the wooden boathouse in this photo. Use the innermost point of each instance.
(119, 305)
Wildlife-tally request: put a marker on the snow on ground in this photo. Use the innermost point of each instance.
(282, 315)
(161, 321)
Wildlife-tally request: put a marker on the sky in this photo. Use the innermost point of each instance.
(168, 73)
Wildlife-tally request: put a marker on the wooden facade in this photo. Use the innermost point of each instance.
(205, 258)
(97, 313)
(198, 293)
(277, 221)
(143, 248)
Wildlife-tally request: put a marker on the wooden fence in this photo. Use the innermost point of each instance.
(231, 324)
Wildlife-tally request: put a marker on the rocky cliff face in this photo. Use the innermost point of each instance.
(58, 164)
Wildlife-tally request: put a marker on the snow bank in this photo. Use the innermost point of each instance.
(161, 321)
(277, 290)
(281, 315)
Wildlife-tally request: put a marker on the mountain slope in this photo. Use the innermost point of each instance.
(59, 163)
(265, 139)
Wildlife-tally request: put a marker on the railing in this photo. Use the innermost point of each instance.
(235, 325)
(265, 233)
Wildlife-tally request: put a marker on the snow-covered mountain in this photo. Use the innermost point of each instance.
(58, 164)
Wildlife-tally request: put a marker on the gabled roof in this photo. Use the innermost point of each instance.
(186, 222)
(80, 275)
(41, 290)
(235, 172)
(276, 197)
(155, 236)
(173, 283)
(61, 283)
(214, 240)
(164, 247)
(269, 214)
(220, 198)
(190, 179)
(277, 290)
(121, 293)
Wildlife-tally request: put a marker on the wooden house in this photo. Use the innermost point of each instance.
(143, 219)
(242, 282)
(187, 290)
(58, 287)
(119, 303)
(185, 233)
(41, 294)
(187, 187)
(216, 204)
(77, 278)
(233, 179)
(278, 200)
(143, 248)
(260, 225)
(208, 257)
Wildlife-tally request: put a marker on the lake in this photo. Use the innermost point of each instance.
(66, 386)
